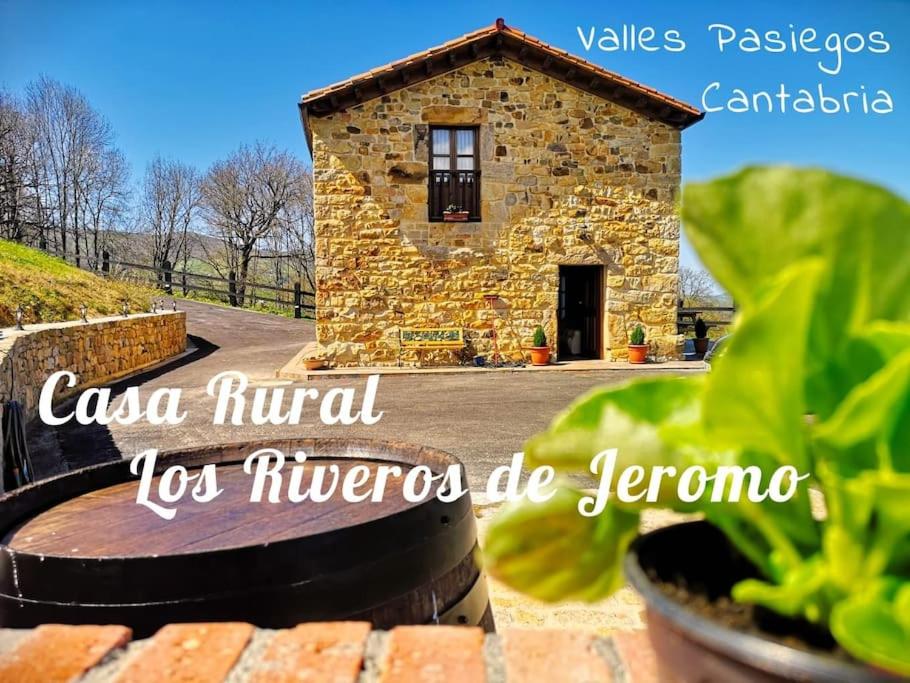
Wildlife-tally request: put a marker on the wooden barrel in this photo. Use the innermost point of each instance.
(78, 549)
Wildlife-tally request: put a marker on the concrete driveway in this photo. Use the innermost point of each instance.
(481, 418)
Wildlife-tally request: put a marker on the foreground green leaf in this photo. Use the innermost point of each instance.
(653, 422)
(750, 226)
(754, 398)
(551, 552)
(873, 626)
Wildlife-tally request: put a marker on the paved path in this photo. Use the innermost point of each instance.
(480, 418)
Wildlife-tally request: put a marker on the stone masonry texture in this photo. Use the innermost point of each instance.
(555, 161)
(339, 652)
(96, 352)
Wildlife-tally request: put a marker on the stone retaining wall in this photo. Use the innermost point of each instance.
(97, 352)
(340, 652)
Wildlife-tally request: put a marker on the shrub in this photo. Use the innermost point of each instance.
(637, 338)
(540, 337)
(701, 328)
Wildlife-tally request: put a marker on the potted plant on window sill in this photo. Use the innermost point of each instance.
(540, 350)
(454, 214)
(762, 589)
(638, 349)
(701, 337)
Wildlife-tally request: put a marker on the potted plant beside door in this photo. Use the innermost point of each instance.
(638, 349)
(540, 351)
(701, 337)
(454, 214)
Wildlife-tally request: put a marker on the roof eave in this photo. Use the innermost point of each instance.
(497, 40)
(305, 122)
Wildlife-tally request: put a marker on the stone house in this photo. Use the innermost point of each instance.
(568, 175)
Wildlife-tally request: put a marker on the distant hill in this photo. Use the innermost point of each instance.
(50, 290)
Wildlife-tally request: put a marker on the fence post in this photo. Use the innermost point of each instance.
(167, 277)
(298, 311)
(105, 262)
(232, 288)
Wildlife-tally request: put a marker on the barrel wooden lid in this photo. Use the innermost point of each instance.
(109, 523)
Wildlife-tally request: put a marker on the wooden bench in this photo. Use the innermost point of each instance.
(423, 339)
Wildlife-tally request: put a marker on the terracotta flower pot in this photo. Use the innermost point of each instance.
(680, 568)
(701, 345)
(638, 353)
(314, 363)
(455, 216)
(540, 355)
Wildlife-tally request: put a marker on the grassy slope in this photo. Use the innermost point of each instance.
(50, 290)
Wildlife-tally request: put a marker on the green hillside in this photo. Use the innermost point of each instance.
(50, 290)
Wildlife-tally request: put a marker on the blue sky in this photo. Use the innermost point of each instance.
(193, 80)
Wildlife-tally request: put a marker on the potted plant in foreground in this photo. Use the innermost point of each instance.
(701, 337)
(759, 590)
(638, 349)
(540, 350)
(454, 214)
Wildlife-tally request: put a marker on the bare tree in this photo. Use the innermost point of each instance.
(301, 236)
(72, 150)
(246, 197)
(695, 286)
(291, 247)
(105, 198)
(14, 167)
(169, 202)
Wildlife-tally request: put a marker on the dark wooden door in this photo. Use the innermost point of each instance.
(580, 312)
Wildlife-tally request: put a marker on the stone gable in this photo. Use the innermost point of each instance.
(555, 162)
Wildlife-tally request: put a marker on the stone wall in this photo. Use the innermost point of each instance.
(554, 160)
(97, 352)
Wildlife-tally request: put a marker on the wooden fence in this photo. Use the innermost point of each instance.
(717, 316)
(167, 278)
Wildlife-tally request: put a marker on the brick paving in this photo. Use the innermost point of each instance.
(197, 653)
(53, 653)
(345, 652)
(332, 652)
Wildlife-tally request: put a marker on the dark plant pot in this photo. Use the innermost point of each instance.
(701, 345)
(638, 353)
(455, 216)
(480, 361)
(540, 355)
(692, 647)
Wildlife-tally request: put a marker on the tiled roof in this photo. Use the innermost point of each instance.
(391, 67)
(499, 39)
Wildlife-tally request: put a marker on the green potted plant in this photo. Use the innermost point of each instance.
(454, 214)
(701, 337)
(638, 349)
(540, 350)
(761, 589)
